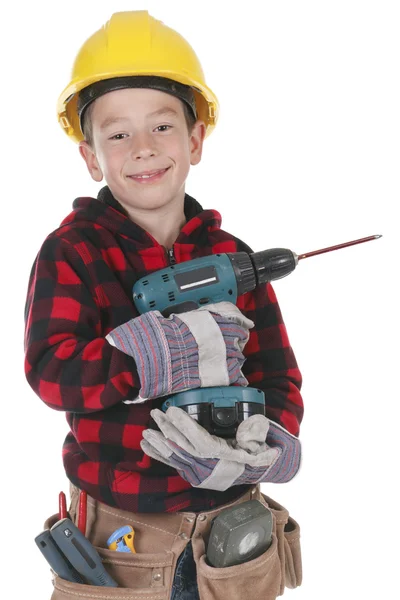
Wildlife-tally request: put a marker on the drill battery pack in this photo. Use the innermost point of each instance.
(219, 410)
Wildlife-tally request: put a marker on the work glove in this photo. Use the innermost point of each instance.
(200, 348)
(262, 451)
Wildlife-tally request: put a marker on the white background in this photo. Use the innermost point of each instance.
(305, 155)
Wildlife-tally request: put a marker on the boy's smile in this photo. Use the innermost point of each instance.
(143, 149)
(149, 177)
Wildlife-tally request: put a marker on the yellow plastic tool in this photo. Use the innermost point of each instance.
(122, 540)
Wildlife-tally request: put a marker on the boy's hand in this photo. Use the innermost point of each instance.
(200, 348)
(262, 451)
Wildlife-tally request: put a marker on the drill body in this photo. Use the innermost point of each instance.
(189, 285)
(210, 279)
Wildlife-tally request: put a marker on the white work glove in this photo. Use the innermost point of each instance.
(199, 348)
(262, 451)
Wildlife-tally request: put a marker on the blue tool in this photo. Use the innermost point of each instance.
(80, 553)
(56, 559)
(216, 278)
(189, 285)
(207, 280)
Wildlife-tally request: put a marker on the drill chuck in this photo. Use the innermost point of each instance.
(257, 268)
(273, 264)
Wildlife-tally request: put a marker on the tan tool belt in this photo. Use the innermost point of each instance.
(160, 539)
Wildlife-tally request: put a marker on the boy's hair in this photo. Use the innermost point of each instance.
(88, 129)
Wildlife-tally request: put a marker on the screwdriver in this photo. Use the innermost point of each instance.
(276, 263)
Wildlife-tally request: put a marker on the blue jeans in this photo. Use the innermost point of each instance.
(184, 586)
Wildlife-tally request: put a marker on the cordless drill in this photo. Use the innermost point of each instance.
(219, 277)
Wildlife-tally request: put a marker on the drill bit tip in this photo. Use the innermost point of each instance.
(338, 246)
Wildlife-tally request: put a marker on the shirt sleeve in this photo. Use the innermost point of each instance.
(270, 361)
(68, 362)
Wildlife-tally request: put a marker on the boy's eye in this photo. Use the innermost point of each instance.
(163, 127)
(118, 136)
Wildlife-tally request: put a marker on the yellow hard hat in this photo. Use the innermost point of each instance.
(134, 44)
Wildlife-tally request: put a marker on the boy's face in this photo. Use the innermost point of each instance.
(140, 132)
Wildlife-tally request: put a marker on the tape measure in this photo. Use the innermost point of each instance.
(239, 534)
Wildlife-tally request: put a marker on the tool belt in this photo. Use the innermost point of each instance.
(160, 538)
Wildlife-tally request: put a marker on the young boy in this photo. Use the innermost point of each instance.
(140, 110)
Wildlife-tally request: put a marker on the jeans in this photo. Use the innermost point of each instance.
(184, 586)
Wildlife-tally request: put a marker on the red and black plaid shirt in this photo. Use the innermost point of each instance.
(80, 289)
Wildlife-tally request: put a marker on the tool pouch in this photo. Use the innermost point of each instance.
(140, 576)
(161, 538)
(264, 577)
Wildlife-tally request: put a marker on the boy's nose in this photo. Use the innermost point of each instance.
(143, 146)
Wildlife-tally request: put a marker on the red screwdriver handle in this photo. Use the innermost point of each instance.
(82, 512)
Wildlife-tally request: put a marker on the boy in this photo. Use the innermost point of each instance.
(140, 110)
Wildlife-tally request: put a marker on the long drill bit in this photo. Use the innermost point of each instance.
(338, 246)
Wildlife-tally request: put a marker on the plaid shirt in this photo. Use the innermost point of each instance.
(80, 289)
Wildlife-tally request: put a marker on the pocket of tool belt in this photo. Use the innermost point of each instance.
(263, 577)
(287, 532)
(137, 575)
(257, 578)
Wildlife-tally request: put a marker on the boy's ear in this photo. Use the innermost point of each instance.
(196, 142)
(89, 156)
